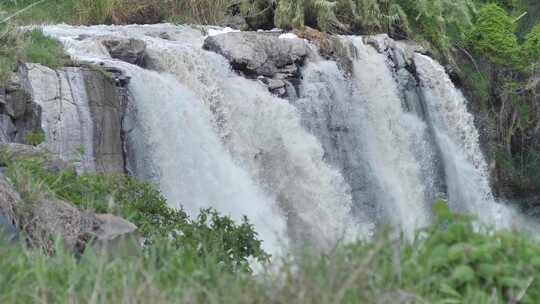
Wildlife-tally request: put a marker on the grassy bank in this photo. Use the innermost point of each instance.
(118, 11)
(207, 259)
(32, 46)
(447, 263)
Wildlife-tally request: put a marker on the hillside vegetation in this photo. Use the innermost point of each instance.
(491, 49)
(209, 259)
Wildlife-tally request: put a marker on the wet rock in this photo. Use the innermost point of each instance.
(82, 112)
(274, 61)
(256, 54)
(401, 52)
(128, 50)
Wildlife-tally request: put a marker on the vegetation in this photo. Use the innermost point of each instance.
(31, 46)
(207, 259)
(449, 262)
(210, 234)
(531, 47)
(494, 36)
(34, 138)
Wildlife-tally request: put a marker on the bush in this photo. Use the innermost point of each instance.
(531, 46)
(18, 46)
(493, 36)
(210, 234)
(9, 46)
(34, 138)
(44, 50)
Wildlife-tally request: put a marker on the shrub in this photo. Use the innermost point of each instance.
(18, 46)
(209, 234)
(34, 138)
(493, 36)
(9, 46)
(531, 46)
(44, 50)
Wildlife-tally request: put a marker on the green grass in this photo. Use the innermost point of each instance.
(208, 234)
(44, 50)
(449, 262)
(118, 11)
(33, 46)
(206, 259)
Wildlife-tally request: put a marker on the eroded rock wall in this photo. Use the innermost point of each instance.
(80, 110)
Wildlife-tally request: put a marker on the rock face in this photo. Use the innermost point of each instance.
(128, 50)
(18, 114)
(262, 54)
(275, 61)
(81, 112)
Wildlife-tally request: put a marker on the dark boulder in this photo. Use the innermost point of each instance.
(259, 54)
(128, 50)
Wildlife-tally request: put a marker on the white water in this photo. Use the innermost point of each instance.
(210, 138)
(347, 155)
(466, 170)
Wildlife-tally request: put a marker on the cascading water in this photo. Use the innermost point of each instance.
(382, 149)
(353, 150)
(465, 167)
(210, 138)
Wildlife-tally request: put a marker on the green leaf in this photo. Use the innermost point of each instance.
(441, 210)
(448, 290)
(463, 274)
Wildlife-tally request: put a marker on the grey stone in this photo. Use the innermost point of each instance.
(258, 53)
(116, 237)
(113, 227)
(81, 117)
(107, 109)
(128, 50)
(275, 84)
(19, 115)
(402, 51)
(8, 131)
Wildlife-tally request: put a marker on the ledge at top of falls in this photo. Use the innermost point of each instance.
(258, 53)
(128, 50)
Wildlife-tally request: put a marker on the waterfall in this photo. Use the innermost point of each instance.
(381, 148)
(466, 170)
(369, 146)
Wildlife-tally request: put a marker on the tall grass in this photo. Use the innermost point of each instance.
(120, 11)
(201, 11)
(450, 262)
